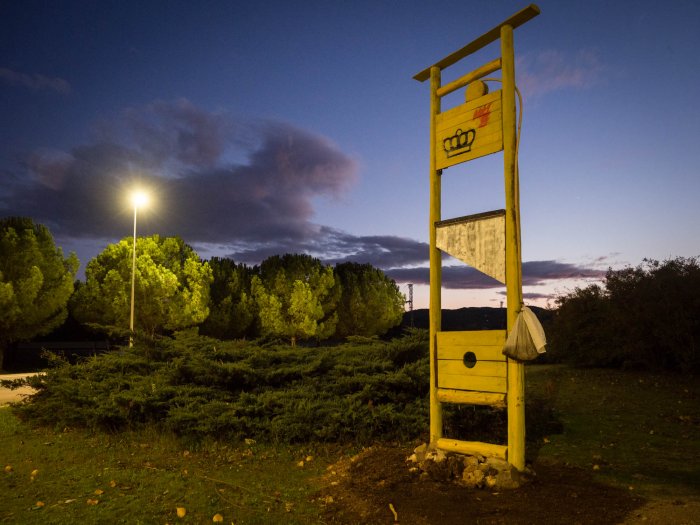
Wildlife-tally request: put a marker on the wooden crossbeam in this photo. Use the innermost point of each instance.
(473, 448)
(494, 34)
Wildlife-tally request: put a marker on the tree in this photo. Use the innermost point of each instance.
(370, 303)
(297, 297)
(647, 316)
(172, 286)
(233, 312)
(581, 331)
(36, 281)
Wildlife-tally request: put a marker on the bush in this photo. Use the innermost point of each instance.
(196, 387)
(646, 317)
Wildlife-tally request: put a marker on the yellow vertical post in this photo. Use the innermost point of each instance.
(514, 292)
(435, 262)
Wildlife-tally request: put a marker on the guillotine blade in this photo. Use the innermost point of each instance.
(478, 240)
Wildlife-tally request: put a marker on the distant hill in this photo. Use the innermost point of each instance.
(476, 318)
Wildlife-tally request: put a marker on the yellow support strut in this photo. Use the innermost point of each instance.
(514, 292)
(435, 262)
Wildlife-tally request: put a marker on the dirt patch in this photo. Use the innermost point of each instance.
(373, 485)
(679, 511)
(12, 396)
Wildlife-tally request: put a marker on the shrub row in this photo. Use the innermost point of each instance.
(195, 386)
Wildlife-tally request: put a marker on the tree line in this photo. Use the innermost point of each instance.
(292, 296)
(646, 316)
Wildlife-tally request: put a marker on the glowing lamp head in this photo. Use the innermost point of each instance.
(139, 199)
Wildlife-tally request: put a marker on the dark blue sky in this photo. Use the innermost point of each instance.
(269, 127)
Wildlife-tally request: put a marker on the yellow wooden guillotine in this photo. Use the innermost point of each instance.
(469, 367)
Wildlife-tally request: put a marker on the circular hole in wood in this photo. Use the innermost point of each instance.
(469, 359)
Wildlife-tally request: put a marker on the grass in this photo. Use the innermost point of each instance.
(631, 428)
(143, 477)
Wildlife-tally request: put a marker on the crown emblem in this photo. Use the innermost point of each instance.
(460, 142)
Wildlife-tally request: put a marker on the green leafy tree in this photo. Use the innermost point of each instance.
(171, 293)
(582, 332)
(370, 303)
(233, 311)
(647, 316)
(297, 297)
(36, 281)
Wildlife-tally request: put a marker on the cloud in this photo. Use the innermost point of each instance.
(50, 167)
(35, 82)
(183, 154)
(465, 277)
(173, 136)
(336, 247)
(531, 295)
(245, 188)
(552, 70)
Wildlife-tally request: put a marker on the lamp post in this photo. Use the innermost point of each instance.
(138, 199)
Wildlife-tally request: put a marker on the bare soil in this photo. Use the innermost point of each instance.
(370, 487)
(8, 396)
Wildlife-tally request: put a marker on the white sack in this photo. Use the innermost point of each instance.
(526, 340)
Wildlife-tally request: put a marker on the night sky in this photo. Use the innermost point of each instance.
(270, 127)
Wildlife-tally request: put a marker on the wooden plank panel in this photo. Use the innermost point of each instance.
(473, 448)
(473, 383)
(467, 397)
(466, 111)
(481, 368)
(470, 382)
(469, 131)
(472, 338)
(483, 353)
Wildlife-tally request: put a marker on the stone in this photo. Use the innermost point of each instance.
(430, 463)
(455, 467)
(420, 452)
(440, 456)
(508, 479)
(490, 481)
(473, 479)
(498, 464)
(437, 470)
(471, 461)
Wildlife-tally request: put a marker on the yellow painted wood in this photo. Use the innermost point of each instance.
(473, 448)
(514, 21)
(482, 368)
(475, 89)
(449, 376)
(473, 338)
(487, 353)
(481, 72)
(488, 105)
(480, 142)
(467, 397)
(469, 131)
(514, 293)
(435, 261)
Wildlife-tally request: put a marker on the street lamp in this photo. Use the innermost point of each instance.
(138, 199)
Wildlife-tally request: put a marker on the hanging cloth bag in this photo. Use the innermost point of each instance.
(526, 340)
